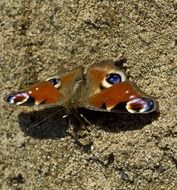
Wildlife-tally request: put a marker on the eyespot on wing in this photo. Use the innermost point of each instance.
(140, 105)
(17, 98)
(123, 97)
(40, 93)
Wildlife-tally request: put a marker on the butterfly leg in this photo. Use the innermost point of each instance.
(81, 138)
(82, 120)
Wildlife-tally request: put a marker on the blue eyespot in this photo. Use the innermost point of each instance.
(140, 105)
(10, 98)
(113, 78)
(17, 98)
(149, 105)
(55, 82)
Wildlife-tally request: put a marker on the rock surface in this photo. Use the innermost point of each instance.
(37, 39)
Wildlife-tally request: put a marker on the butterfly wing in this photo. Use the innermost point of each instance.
(105, 88)
(56, 90)
(108, 89)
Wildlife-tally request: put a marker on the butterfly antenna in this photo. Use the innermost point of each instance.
(85, 119)
(46, 118)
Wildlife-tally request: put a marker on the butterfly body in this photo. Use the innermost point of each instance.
(104, 87)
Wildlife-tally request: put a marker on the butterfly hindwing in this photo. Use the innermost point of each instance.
(108, 89)
(57, 90)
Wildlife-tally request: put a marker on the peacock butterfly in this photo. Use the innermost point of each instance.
(104, 87)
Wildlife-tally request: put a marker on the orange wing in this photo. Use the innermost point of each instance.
(55, 90)
(108, 90)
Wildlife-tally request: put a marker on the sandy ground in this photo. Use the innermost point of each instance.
(39, 38)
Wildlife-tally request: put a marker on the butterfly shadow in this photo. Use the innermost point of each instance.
(50, 124)
(117, 122)
(44, 124)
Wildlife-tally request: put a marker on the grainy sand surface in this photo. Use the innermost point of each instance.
(39, 38)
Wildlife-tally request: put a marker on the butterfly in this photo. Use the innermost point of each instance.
(104, 87)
